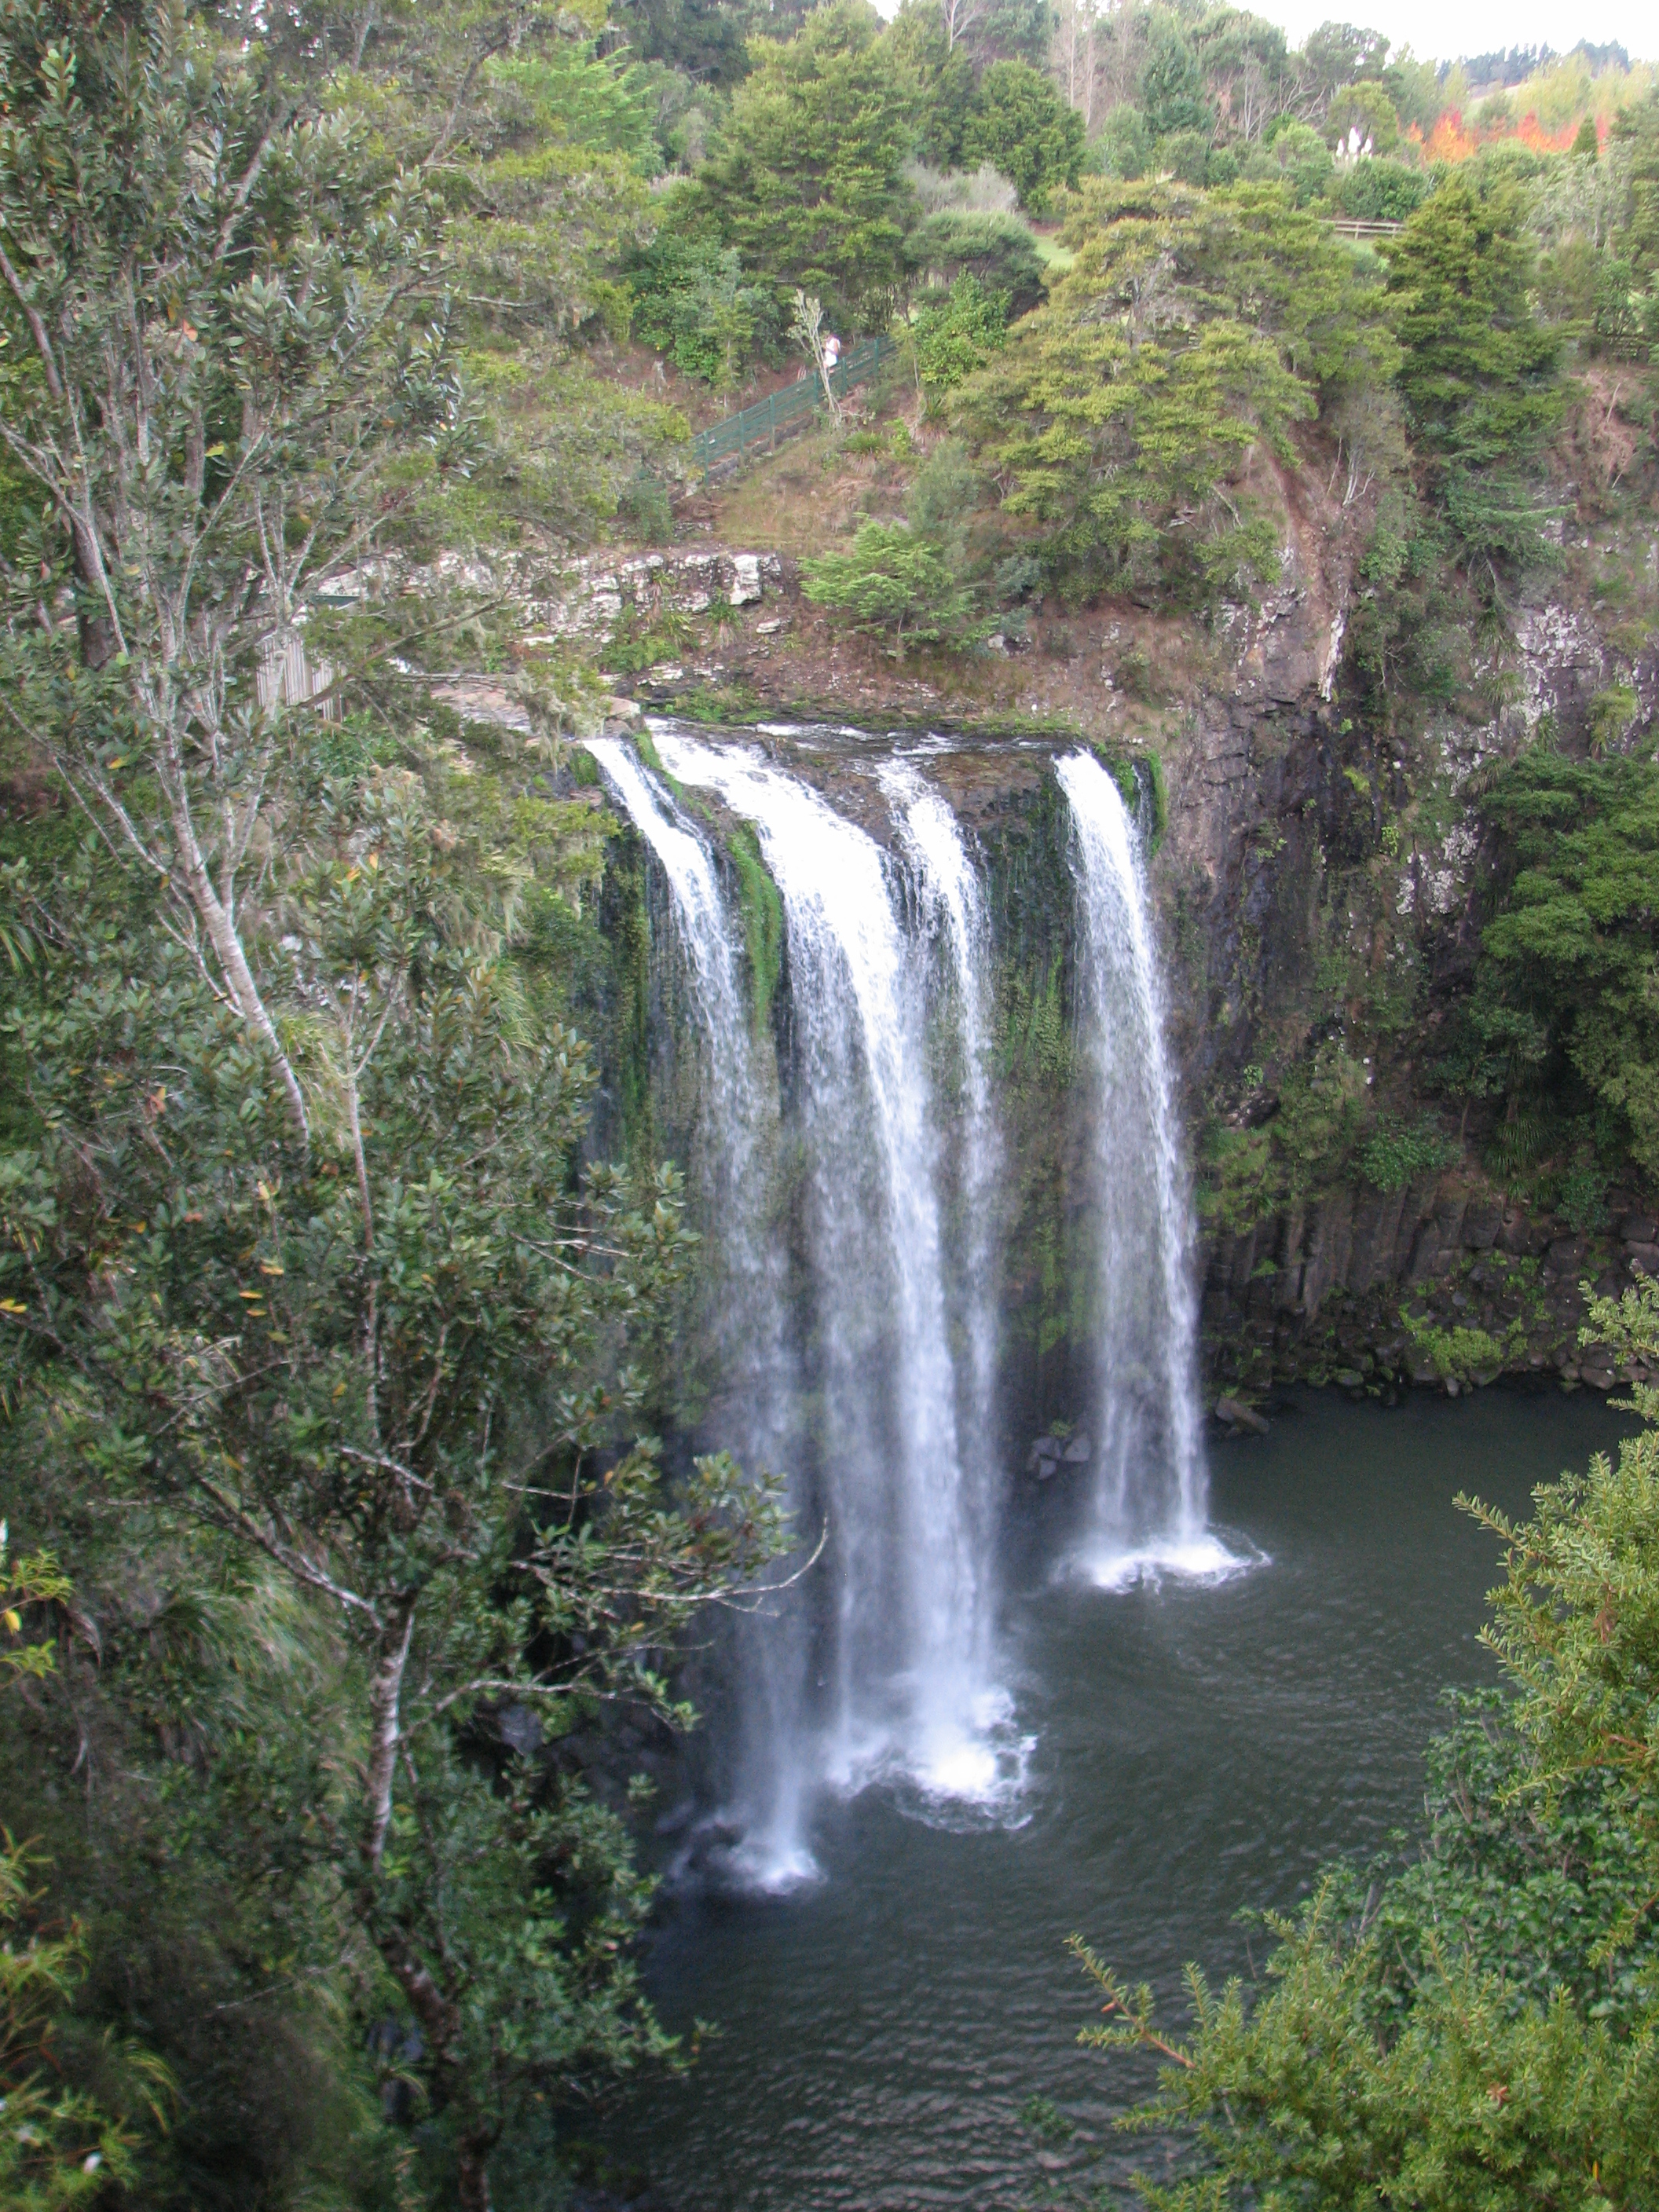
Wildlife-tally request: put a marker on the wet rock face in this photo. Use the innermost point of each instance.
(1433, 1285)
(1304, 846)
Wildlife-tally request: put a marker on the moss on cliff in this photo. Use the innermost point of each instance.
(763, 918)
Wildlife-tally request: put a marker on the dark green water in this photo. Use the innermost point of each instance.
(1198, 1750)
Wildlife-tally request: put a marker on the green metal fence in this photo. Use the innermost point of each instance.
(764, 424)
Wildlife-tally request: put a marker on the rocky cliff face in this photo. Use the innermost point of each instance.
(1323, 891)
(1320, 886)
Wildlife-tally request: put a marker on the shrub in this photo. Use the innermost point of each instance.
(691, 303)
(1380, 191)
(957, 335)
(1391, 1155)
(896, 583)
(645, 509)
(1457, 1355)
(996, 249)
(1582, 1197)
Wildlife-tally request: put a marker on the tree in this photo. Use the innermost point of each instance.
(1477, 2026)
(1010, 31)
(1361, 121)
(1562, 1007)
(1172, 95)
(1296, 152)
(376, 1361)
(273, 323)
(708, 39)
(926, 50)
(1189, 327)
(1479, 375)
(1414, 87)
(301, 1276)
(908, 580)
(895, 582)
(1019, 123)
(1627, 287)
(1247, 68)
(693, 304)
(807, 331)
(807, 184)
(1338, 54)
(1126, 144)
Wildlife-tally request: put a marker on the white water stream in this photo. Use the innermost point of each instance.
(879, 1143)
(1151, 1495)
(906, 1687)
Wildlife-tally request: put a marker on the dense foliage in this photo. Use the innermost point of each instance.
(1478, 2026)
(1191, 328)
(1563, 1022)
(324, 1361)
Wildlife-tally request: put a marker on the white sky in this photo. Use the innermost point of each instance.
(1439, 30)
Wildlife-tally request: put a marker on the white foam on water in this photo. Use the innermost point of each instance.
(1204, 1559)
(774, 1870)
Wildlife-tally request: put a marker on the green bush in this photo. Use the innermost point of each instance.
(997, 250)
(1186, 154)
(895, 583)
(1380, 191)
(646, 509)
(1296, 152)
(1458, 1355)
(1241, 1182)
(1391, 1155)
(957, 335)
(1582, 1197)
(690, 302)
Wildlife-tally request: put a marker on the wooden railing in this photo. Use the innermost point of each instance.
(773, 417)
(1355, 226)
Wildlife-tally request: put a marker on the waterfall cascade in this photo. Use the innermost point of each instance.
(877, 1147)
(906, 1686)
(1150, 1492)
(737, 1084)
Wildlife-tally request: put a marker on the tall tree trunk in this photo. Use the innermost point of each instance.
(472, 2170)
(96, 631)
(222, 934)
(386, 1693)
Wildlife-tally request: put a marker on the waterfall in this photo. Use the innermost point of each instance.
(906, 1690)
(954, 906)
(746, 1300)
(849, 1173)
(1151, 1490)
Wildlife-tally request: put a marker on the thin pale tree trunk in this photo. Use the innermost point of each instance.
(223, 935)
(385, 1699)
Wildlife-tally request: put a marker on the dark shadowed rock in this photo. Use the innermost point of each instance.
(1238, 1415)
